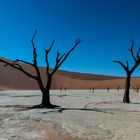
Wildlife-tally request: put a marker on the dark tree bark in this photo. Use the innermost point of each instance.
(129, 71)
(126, 98)
(45, 89)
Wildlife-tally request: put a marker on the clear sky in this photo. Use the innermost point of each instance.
(106, 26)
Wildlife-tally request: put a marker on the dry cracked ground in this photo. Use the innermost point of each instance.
(98, 115)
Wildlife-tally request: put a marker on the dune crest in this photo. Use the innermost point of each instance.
(13, 79)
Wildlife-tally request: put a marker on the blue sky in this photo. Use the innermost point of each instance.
(106, 26)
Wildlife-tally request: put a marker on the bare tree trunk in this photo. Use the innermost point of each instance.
(126, 98)
(46, 94)
(46, 103)
(46, 99)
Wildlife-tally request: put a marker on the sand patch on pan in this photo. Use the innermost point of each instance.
(48, 131)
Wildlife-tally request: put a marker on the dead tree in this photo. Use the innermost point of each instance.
(129, 71)
(108, 89)
(92, 89)
(118, 88)
(45, 89)
(137, 89)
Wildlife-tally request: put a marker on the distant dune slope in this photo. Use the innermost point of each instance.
(13, 79)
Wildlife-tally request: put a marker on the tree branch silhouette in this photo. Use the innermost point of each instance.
(129, 71)
(45, 89)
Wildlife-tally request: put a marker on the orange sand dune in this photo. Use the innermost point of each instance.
(13, 79)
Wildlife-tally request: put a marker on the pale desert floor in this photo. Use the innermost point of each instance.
(83, 115)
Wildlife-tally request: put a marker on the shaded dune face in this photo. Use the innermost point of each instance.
(11, 78)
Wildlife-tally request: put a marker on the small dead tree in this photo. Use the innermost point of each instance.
(108, 89)
(137, 89)
(92, 89)
(118, 88)
(129, 71)
(45, 89)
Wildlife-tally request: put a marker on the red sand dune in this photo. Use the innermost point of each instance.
(13, 79)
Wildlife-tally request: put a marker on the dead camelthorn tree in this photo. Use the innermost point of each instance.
(129, 71)
(45, 89)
